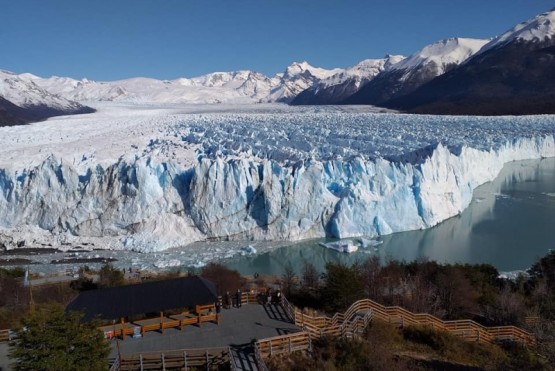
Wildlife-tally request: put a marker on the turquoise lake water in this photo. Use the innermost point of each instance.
(509, 224)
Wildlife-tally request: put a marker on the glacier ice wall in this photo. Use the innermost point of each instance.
(151, 206)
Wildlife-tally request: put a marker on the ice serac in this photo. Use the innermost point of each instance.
(152, 206)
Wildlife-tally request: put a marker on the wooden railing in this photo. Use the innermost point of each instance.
(249, 297)
(124, 329)
(289, 308)
(173, 359)
(260, 364)
(349, 324)
(114, 364)
(467, 329)
(4, 336)
(532, 320)
(284, 344)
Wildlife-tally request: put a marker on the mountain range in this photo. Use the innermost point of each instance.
(513, 73)
(22, 101)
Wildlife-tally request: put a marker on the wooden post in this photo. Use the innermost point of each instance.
(163, 362)
(207, 361)
(141, 360)
(185, 360)
(122, 328)
(119, 352)
(162, 321)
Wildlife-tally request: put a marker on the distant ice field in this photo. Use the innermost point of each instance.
(266, 131)
(331, 133)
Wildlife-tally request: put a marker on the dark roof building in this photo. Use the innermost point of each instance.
(150, 297)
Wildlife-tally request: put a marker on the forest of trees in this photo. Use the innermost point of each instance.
(448, 291)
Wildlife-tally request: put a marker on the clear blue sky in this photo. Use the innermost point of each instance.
(115, 39)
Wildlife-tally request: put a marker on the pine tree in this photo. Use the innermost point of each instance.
(51, 339)
(342, 286)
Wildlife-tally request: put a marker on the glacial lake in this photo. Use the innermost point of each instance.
(509, 224)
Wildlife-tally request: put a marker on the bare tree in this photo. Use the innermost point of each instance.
(456, 294)
(370, 271)
(288, 280)
(310, 276)
(509, 307)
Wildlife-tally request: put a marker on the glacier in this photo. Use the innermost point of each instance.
(158, 178)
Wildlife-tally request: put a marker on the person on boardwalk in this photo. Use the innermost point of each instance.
(278, 297)
(269, 296)
(238, 298)
(227, 301)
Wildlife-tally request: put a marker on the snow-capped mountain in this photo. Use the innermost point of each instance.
(404, 77)
(341, 85)
(536, 30)
(297, 78)
(512, 74)
(440, 55)
(24, 101)
(218, 87)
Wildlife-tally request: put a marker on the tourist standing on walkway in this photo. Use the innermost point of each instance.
(227, 302)
(269, 296)
(238, 298)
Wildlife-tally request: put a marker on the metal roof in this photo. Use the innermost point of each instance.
(149, 297)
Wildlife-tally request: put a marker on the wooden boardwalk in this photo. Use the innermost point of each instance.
(349, 324)
(469, 330)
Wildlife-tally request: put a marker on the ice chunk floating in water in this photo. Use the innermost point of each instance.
(346, 246)
(280, 174)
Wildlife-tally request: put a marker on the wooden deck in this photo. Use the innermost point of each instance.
(202, 314)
